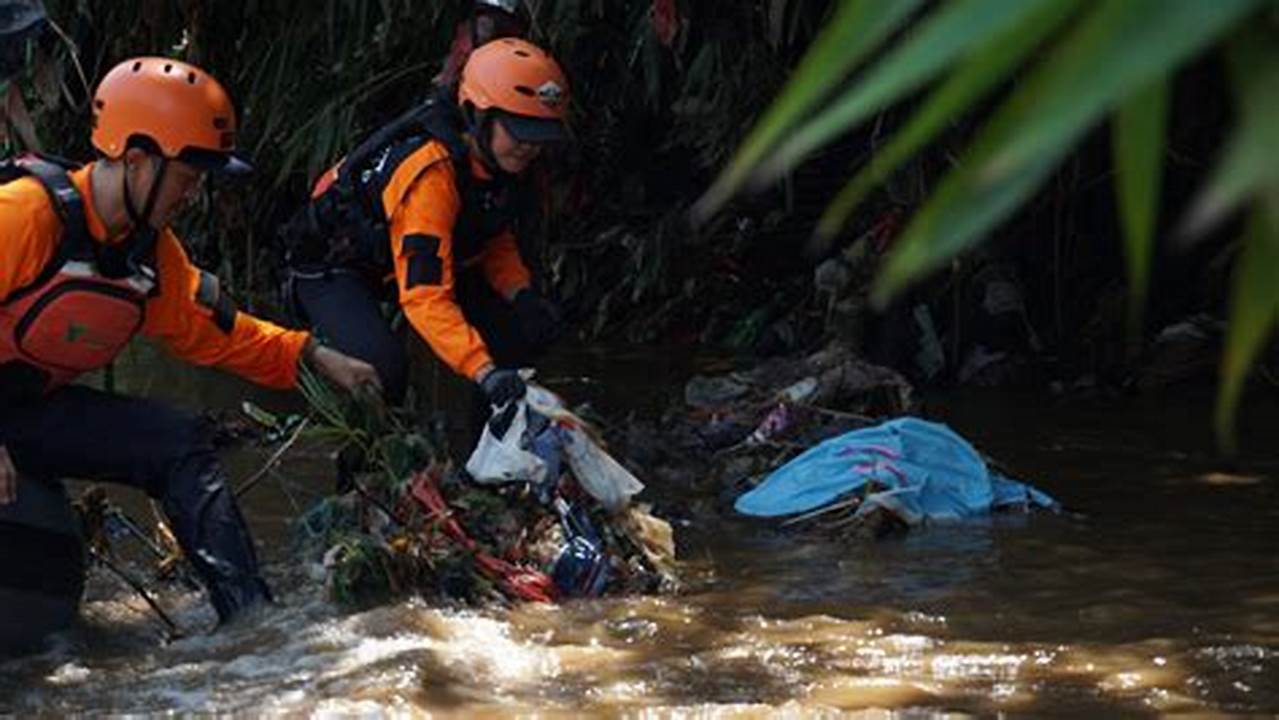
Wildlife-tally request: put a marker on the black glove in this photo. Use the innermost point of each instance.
(539, 317)
(503, 386)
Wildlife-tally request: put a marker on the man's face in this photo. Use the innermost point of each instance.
(181, 183)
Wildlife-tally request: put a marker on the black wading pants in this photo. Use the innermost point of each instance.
(87, 434)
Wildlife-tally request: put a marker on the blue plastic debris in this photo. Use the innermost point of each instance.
(917, 469)
(581, 569)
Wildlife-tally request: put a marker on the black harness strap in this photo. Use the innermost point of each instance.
(347, 226)
(68, 205)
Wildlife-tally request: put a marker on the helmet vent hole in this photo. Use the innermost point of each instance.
(191, 78)
(99, 104)
(221, 123)
(523, 53)
(168, 68)
(137, 66)
(525, 90)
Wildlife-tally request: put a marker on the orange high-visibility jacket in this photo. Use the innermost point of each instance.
(423, 204)
(174, 314)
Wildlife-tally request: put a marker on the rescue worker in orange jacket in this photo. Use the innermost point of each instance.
(444, 196)
(89, 262)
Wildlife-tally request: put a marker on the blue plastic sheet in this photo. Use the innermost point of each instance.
(919, 470)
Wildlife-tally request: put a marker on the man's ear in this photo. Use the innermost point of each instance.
(135, 156)
(135, 163)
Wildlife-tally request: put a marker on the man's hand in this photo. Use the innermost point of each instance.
(502, 386)
(540, 319)
(348, 372)
(8, 478)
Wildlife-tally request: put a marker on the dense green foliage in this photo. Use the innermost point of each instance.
(1071, 64)
(963, 114)
(657, 88)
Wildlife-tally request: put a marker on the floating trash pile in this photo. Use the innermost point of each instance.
(540, 513)
(829, 442)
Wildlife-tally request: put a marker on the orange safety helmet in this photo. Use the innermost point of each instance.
(178, 107)
(524, 83)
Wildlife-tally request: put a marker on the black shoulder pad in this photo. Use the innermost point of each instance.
(210, 295)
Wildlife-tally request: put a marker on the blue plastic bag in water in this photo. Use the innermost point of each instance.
(582, 567)
(919, 470)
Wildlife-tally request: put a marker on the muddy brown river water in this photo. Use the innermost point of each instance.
(1158, 595)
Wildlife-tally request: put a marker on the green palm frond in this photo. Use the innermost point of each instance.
(1074, 65)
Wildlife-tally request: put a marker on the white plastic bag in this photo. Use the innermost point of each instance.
(502, 460)
(597, 472)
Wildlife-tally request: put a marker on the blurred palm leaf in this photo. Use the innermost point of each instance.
(1138, 145)
(1248, 166)
(855, 31)
(1117, 48)
(984, 68)
(938, 40)
(1254, 310)
(1249, 170)
(1114, 56)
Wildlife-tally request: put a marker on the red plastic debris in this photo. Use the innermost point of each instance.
(517, 581)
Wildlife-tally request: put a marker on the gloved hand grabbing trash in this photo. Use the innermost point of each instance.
(540, 319)
(516, 446)
(501, 385)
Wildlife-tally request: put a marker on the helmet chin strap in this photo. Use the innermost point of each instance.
(128, 257)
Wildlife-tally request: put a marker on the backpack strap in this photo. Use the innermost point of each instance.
(435, 118)
(75, 242)
(351, 207)
(446, 126)
(67, 202)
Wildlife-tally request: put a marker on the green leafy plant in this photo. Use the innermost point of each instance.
(390, 447)
(1071, 65)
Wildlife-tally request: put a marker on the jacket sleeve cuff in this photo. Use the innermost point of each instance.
(471, 366)
(295, 344)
